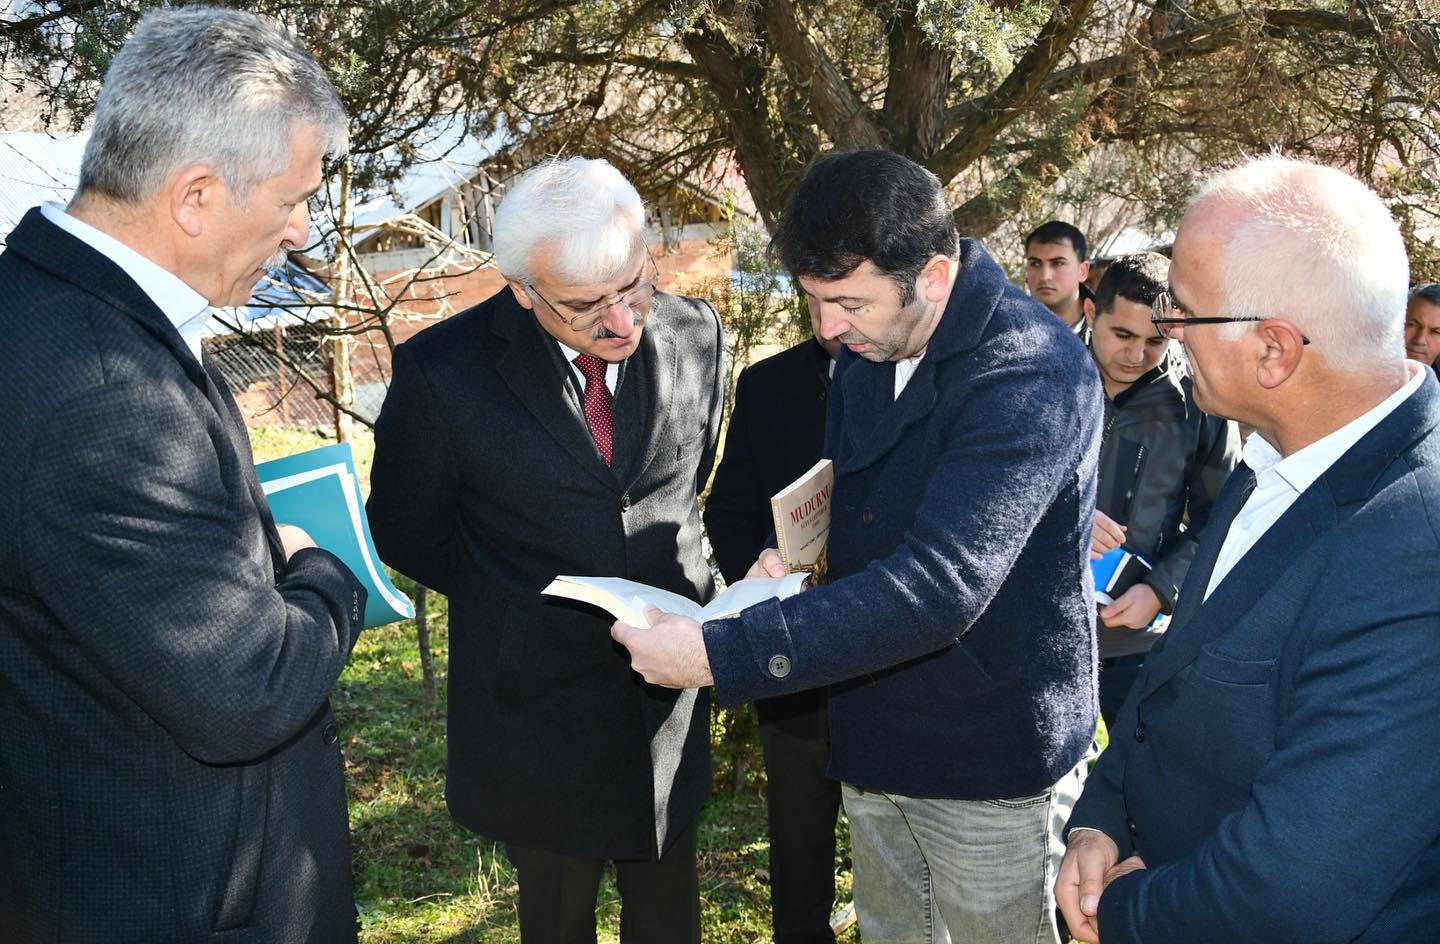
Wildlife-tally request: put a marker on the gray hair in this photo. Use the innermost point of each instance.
(584, 210)
(202, 85)
(1316, 247)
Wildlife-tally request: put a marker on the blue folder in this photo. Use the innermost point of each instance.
(317, 490)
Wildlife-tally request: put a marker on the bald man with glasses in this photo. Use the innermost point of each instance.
(563, 426)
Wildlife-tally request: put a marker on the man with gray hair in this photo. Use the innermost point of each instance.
(169, 769)
(1270, 776)
(563, 426)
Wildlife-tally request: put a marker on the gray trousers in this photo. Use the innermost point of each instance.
(933, 871)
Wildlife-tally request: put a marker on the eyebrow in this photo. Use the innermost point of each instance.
(582, 303)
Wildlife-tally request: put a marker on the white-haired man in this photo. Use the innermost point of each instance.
(1268, 779)
(563, 426)
(169, 768)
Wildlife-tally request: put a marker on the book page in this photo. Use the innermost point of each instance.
(624, 599)
(750, 591)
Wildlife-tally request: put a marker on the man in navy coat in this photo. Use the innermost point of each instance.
(1273, 774)
(964, 426)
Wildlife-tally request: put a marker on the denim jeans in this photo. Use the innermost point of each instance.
(965, 871)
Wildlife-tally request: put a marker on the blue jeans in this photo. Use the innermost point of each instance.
(933, 871)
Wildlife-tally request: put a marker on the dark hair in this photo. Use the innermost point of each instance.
(1137, 278)
(1058, 232)
(865, 205)
(1427, 292)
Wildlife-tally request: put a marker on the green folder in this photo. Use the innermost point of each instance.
(317, 491)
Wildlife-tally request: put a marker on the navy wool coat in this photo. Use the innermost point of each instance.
(962, 621)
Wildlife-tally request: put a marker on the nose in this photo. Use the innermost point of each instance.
(619, 316)
(297, 227)
(832, 325)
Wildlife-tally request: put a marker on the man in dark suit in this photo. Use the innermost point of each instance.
(563, 426)
(1271, 774)
(964, 427)
(169, 768)
(776, 431)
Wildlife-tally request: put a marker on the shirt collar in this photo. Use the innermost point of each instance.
(184, 307)
(1301, 469)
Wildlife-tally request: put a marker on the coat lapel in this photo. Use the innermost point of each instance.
(528, 368)
(657, 348)
(875, 421)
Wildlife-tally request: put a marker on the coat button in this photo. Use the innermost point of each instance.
(330, 733)
(1140, 732)
(867, 516)
(779, 666)
(625, 502)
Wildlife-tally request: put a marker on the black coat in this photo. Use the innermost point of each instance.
(169, 766)
(776, 432)
(486, 485)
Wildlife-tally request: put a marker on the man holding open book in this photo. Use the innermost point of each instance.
(563, 426)
(957, 631)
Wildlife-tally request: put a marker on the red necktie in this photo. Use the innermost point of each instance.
(597, 402)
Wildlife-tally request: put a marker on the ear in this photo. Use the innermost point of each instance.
(1087, 305)
(1084, 270)
(521, 295)
(1281, 348)
(936, 278)
(194, 191)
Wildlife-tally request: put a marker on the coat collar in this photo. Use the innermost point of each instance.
(528, 367)
(875, 421)
(1351, 480)
(56, 252)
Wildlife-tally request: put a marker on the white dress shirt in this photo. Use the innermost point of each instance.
(612, 368)
(1280, 480)
(185, 308)
(904, 370)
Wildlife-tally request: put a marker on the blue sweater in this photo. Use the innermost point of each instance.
(959, 633)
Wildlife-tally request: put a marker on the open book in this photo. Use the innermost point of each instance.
(317, 491)
(801, 511)
(626, 599)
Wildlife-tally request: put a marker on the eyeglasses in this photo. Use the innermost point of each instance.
(1167, 316)
(637, 299)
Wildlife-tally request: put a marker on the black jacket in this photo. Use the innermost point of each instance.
(169, 767)
(486, 485)
(776, 432)
(1162, 462)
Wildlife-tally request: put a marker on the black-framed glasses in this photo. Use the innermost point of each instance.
(636, 299)
(1167, 316)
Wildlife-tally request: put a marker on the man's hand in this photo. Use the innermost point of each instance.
(1132, 864)
(293, 539)
(1133, 609)
(769, 564)
(1106, 534)
(671, 652)
(1090, 857)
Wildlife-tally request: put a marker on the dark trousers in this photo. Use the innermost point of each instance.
(802, 804)
(1117, 677)
(659, 901)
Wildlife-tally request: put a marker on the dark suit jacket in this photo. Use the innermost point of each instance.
(776, 432)
(169, 768)
(962, 609)
(486, 485)
(1276, 764)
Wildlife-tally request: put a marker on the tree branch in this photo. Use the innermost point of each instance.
(835, 106)
(992, 113)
